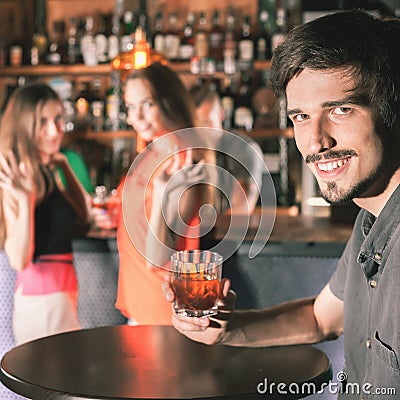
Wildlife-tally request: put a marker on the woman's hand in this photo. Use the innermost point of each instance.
(179, 171)
(58, 160)
(207, 330)
(176, 175)
(15, 179)
(18, 202)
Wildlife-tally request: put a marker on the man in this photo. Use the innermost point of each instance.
(209, 113)
(341, 77)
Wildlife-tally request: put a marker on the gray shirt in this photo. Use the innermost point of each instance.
(368, 281)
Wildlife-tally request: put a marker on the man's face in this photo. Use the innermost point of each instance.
(210, 114)
(335, 136)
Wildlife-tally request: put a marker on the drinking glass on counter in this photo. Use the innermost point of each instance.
(196, 282)
(106, 206)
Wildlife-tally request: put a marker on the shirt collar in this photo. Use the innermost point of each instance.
(378, 232)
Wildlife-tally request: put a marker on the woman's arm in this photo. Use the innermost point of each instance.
(18, 202)
(175, 200)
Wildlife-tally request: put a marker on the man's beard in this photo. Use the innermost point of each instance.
(336, 196)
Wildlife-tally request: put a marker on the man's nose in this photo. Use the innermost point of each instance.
(320, 137)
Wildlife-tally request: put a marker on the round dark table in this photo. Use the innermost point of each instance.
(154, 362)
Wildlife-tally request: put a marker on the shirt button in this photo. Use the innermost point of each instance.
(378, 256)
(368, 344)
(372, 283)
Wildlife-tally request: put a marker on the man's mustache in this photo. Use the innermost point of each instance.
(329, 155)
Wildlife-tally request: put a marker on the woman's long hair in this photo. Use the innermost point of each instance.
(178, 112)
(19, 128)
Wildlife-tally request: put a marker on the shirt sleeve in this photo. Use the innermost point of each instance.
(338, 279)
(337, 282)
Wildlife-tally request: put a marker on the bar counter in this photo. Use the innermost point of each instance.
(289, 227)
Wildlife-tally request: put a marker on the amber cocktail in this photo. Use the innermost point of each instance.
(196, 282)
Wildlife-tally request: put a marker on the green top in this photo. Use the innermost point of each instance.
(78, 165)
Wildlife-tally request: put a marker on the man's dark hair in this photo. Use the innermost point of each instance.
(204, 91)
(361, 45)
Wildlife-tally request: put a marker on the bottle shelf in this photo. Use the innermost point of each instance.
(102, 69)
(269, 133)
(53, 70)
(104, 136)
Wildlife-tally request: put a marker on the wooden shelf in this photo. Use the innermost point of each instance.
(103, 69)
(53, 70)
(269, 133)
(104, 137)
(130, 134)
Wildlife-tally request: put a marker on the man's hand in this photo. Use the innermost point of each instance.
(207, 330)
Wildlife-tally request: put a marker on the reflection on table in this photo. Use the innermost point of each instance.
(126, 362)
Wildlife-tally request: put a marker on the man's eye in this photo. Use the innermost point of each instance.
(341, 110)
(299, 117)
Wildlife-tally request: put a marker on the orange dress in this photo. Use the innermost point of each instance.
(140, 295)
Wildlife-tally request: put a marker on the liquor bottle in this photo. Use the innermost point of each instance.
(69, 107)
(243, 115)
(64, 88)
(230, 44)
(4, 29)
(279, 35)
(263, 46)
(128, 29)
(216, 38)
(74, 47)
(112, 107)
(40, 37)
(104, 171)
(201, 37)
(88, 45)
(172, 38)
(16, 49)
(186, 49)
(58, 50)
(265, 104)
(83, 100)
(246, 44)
(228, 102)
(113, 37)
(100, 39)
(97, 107)
(158, 37)
(143, 20)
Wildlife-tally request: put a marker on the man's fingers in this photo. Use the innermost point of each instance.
(188, 157)
(167, 289)
(190, 324)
